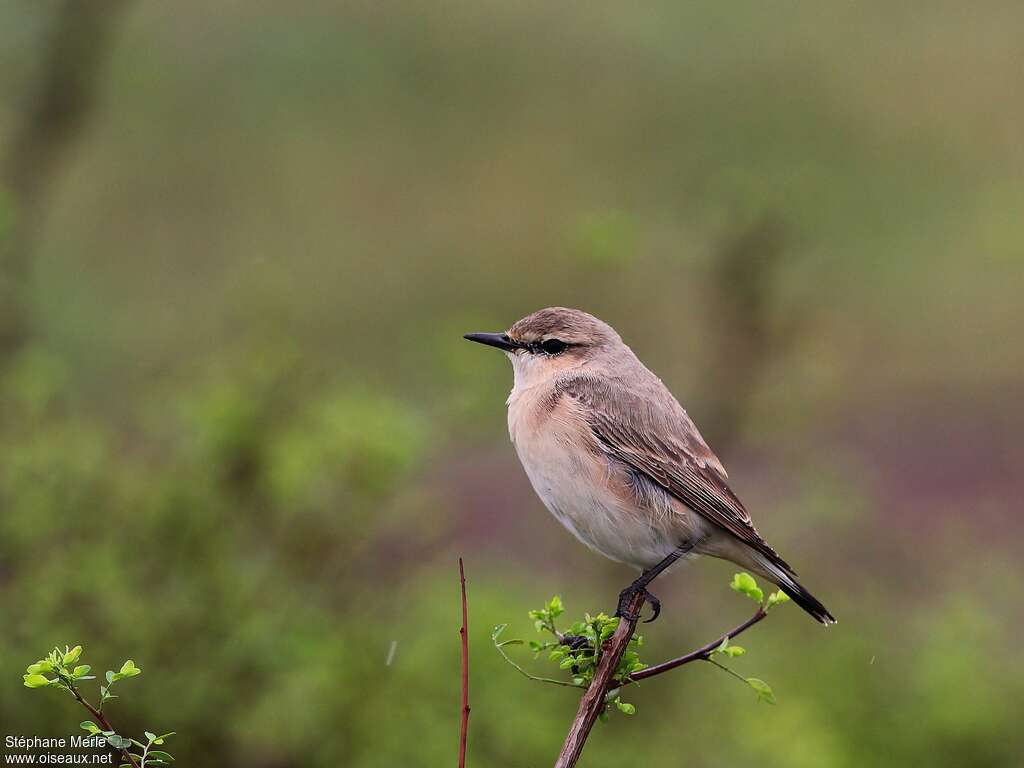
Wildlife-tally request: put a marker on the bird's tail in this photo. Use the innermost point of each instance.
(786, 581)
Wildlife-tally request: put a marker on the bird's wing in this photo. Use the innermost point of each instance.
(645, 428)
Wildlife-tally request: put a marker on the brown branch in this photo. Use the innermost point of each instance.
(464, 632)
(595, 698)
(593, 702)
(104, 723)
(701, 654)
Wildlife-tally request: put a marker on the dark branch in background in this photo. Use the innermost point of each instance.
(593, 702)
(742, 291)
(58, 106)
(464, 632)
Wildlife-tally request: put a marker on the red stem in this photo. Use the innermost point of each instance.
(464, 730)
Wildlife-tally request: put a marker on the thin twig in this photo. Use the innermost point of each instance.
(701, 654)
(104, 723)
(523, 672)
(725, 669)
(464, 729)
(593, 701)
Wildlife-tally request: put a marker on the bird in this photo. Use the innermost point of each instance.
(617, 460)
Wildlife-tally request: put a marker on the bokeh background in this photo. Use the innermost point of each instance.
(243, 443)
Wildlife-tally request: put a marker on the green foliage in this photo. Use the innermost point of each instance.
(623, 707)
(58, 663)
(370, 439)
(763, 690)
(544, 618)
(270, 506)
(744, 584)
(578, 649)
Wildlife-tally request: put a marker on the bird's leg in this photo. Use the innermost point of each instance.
(645, 578)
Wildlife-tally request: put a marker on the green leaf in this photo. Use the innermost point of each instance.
(35, 681)
(80, 671)
(625, 708)
(777, 598)
(150, 736)
(763, 690)
(111, 677)
(128, 669)
(118, 742)
(90, 726)
(555, 607)
(744, 583)
(72, 656)
(39, 667)
(734, 650)
(162, 736)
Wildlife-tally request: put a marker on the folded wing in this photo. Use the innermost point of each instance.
(646, 428)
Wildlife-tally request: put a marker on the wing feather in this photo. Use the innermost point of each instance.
(646, 428)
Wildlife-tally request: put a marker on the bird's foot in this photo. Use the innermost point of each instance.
(626, 597)
(575, 642)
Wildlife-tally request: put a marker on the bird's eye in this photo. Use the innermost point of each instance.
(553, 346)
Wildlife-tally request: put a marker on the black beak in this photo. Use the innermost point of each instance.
(499, 340)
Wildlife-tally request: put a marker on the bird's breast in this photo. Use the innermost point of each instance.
(579, 484)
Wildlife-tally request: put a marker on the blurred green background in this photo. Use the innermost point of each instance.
(243, 443)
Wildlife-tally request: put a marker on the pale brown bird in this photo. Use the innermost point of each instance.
(617, 460)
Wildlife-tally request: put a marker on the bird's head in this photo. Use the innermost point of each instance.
(552, 340)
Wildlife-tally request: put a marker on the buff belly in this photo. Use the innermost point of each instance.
(598, 503)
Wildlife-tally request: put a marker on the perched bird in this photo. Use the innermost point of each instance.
(617, 460)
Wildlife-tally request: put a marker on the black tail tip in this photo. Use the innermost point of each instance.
(808, 602)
